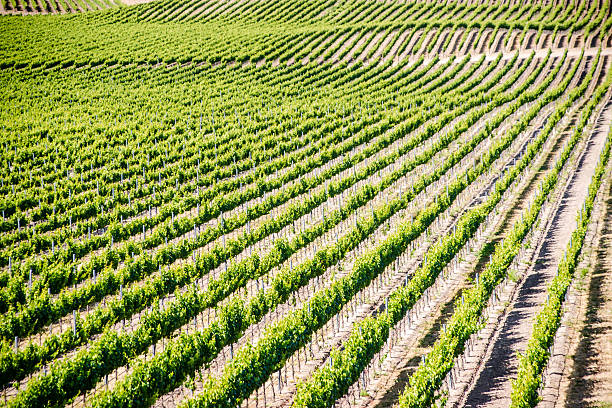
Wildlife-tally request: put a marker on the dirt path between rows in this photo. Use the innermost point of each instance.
(587, 369)
(410, 356)
(492, 385)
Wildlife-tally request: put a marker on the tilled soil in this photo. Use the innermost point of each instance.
(586, 372)
(492, 385)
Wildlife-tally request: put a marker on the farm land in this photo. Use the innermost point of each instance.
(323, 203)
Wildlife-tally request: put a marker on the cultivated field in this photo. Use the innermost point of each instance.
(289, 203)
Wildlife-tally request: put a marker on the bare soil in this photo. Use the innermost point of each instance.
(588, 369)
(492, 385)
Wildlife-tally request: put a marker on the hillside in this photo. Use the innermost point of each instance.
(282, 203)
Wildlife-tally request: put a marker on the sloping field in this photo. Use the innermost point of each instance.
(283, 203)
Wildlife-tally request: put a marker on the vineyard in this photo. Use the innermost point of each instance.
(323, 203)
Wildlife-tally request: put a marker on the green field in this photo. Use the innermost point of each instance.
(270, 203)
